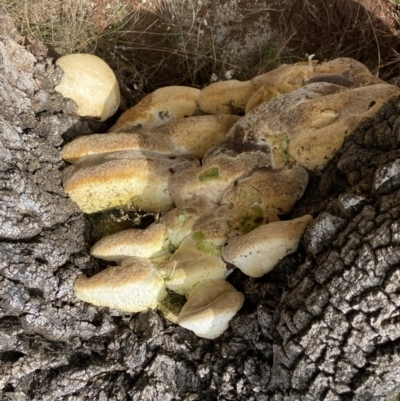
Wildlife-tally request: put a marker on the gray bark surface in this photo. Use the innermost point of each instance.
(324, 325)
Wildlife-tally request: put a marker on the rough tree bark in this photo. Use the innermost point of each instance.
(324, 325)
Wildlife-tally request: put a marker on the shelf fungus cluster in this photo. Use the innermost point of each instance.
(223, 165)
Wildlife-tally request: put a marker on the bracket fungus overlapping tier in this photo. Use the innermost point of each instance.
(223, 165)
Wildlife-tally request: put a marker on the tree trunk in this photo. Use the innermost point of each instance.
(324, 325)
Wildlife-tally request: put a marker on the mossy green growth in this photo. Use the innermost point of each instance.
(285, 148)
(171, 306)
(114, 220)
(205, 246)
(209, 175)
(254, 218)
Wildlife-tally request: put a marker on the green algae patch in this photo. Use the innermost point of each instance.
(171, 306)
(253, 219)
(205, 246)
(111, 221)
(280, 147)
(248, 221)
(209, 175)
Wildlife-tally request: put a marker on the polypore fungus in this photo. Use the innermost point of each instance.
(129, 179)
(309, 124)
(287, 78)
(160, 238)
(91, 83)
(197, 260)
(192, 136)
(226, 97)
(258, 252)
(209, 308)
(227, 208)
(273, 190)
(159, 107)
(135, 286)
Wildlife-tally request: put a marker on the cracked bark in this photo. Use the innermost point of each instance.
(324, 325)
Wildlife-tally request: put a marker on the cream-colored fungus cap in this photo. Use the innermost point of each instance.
(273, 190)
(314, 144)
(197, 260)
(135, 286)
(159, 107)
(96, 144)
(309, 124)
(226, 97)
(213, 177)
(224, 222)
(147, 243)
(129, 179)
(286, 78)
(90, 83)
(160, 238)
(210, 308)
(196, 135)
(272, 125)
(258, 252)
(189, 136)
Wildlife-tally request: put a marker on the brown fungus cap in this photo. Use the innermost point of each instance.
(258, 252)
(327, 110)
(91, 83)
(286, 78)
(135, 286)
(323, 124)
(210, 308)
(159, 107)
(128, 180)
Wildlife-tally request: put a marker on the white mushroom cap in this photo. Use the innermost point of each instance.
(258, 252)
(129, 179)
(91, 83)
(226, 97)
(135, 286)
(273, 190)
(159, 107)
(210, 308)
(189, 136)
(196, 260)
(160, 238)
